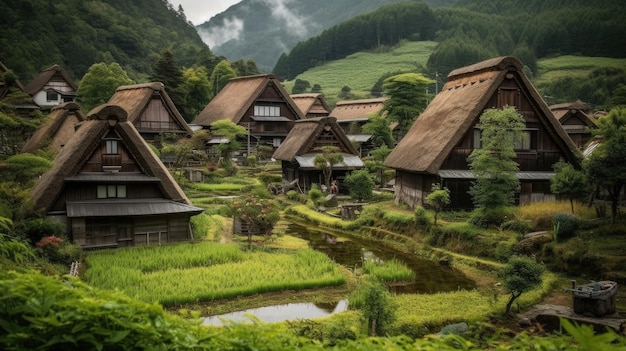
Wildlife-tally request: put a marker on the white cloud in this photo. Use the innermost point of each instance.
(231, 29)
(293, 21)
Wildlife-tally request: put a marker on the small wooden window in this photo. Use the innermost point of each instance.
(111, 147)
(111, 191)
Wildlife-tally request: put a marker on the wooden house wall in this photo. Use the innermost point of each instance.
(88, 191)
(411, 188)
(157, 118)
(99, 158)
(130, 231)
(547, 152)
(577, 130)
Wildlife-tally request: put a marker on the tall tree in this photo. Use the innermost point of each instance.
(605, 167)
(408, 97)
(493, 163)
(196, 90)
(374, 162)
(378, 127)
(100, 83)
(167, 72)
(329, 157)
(220, 76)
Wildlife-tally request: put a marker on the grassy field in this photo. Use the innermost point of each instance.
(361, 70)
(196, 272)
(550, 69)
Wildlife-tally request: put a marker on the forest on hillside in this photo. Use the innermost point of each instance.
(37, 34)
(471, 31)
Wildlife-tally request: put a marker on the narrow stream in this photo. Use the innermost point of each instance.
(430, 277)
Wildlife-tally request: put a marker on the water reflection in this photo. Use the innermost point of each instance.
(279, 313)
(430, 277)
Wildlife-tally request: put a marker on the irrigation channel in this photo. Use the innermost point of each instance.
(430, 277)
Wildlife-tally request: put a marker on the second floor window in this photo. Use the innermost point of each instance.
(111, 191)
(266, 111)
(111, 147)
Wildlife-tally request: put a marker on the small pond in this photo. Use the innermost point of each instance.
(279, 313)
(430, 277)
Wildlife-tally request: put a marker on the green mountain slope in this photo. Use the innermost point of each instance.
(263, 30)
(361, 71)
(36, 34)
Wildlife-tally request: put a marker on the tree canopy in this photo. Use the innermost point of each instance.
(605, 167)
(408, 97)
(493, 163)
(100, 83)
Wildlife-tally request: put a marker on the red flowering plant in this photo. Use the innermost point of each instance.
(255, 211)
(57, 250)
(49, 241)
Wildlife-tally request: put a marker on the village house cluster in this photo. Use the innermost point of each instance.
(111, 189)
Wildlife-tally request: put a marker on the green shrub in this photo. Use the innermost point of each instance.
(251, 160)
(36, 229)
(268, 178)
(486, 217)
(315, 194)
(518, 226)
(360, 185)
(292, 195)
(565, 225)
(423, 217)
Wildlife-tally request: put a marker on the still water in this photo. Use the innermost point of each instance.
(430, 277)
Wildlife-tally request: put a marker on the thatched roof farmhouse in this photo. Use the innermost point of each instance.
(259, 103)
(305, 141)
(151, 110)
(58, 129)
(110, 189)
(436, 148)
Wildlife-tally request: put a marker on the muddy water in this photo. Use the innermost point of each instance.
(430, 277)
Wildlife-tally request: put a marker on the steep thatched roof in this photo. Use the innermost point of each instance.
(564, 111)
(83, 144)
(4, 87)
(136, 97)
(44, 77)
(311, 103)
(456, 109)
(238, 96)
(58, 129)
(348, 110)
(305, 132)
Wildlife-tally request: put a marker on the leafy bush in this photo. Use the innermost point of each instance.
(486, 217)
(36, 229)
(518, 226)
(315, 194)
(360, 185)
(423, 217)
(565, 225)
(268, 178)
(292, 195)
(251, 160)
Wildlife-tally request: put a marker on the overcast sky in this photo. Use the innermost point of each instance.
(200, 11)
